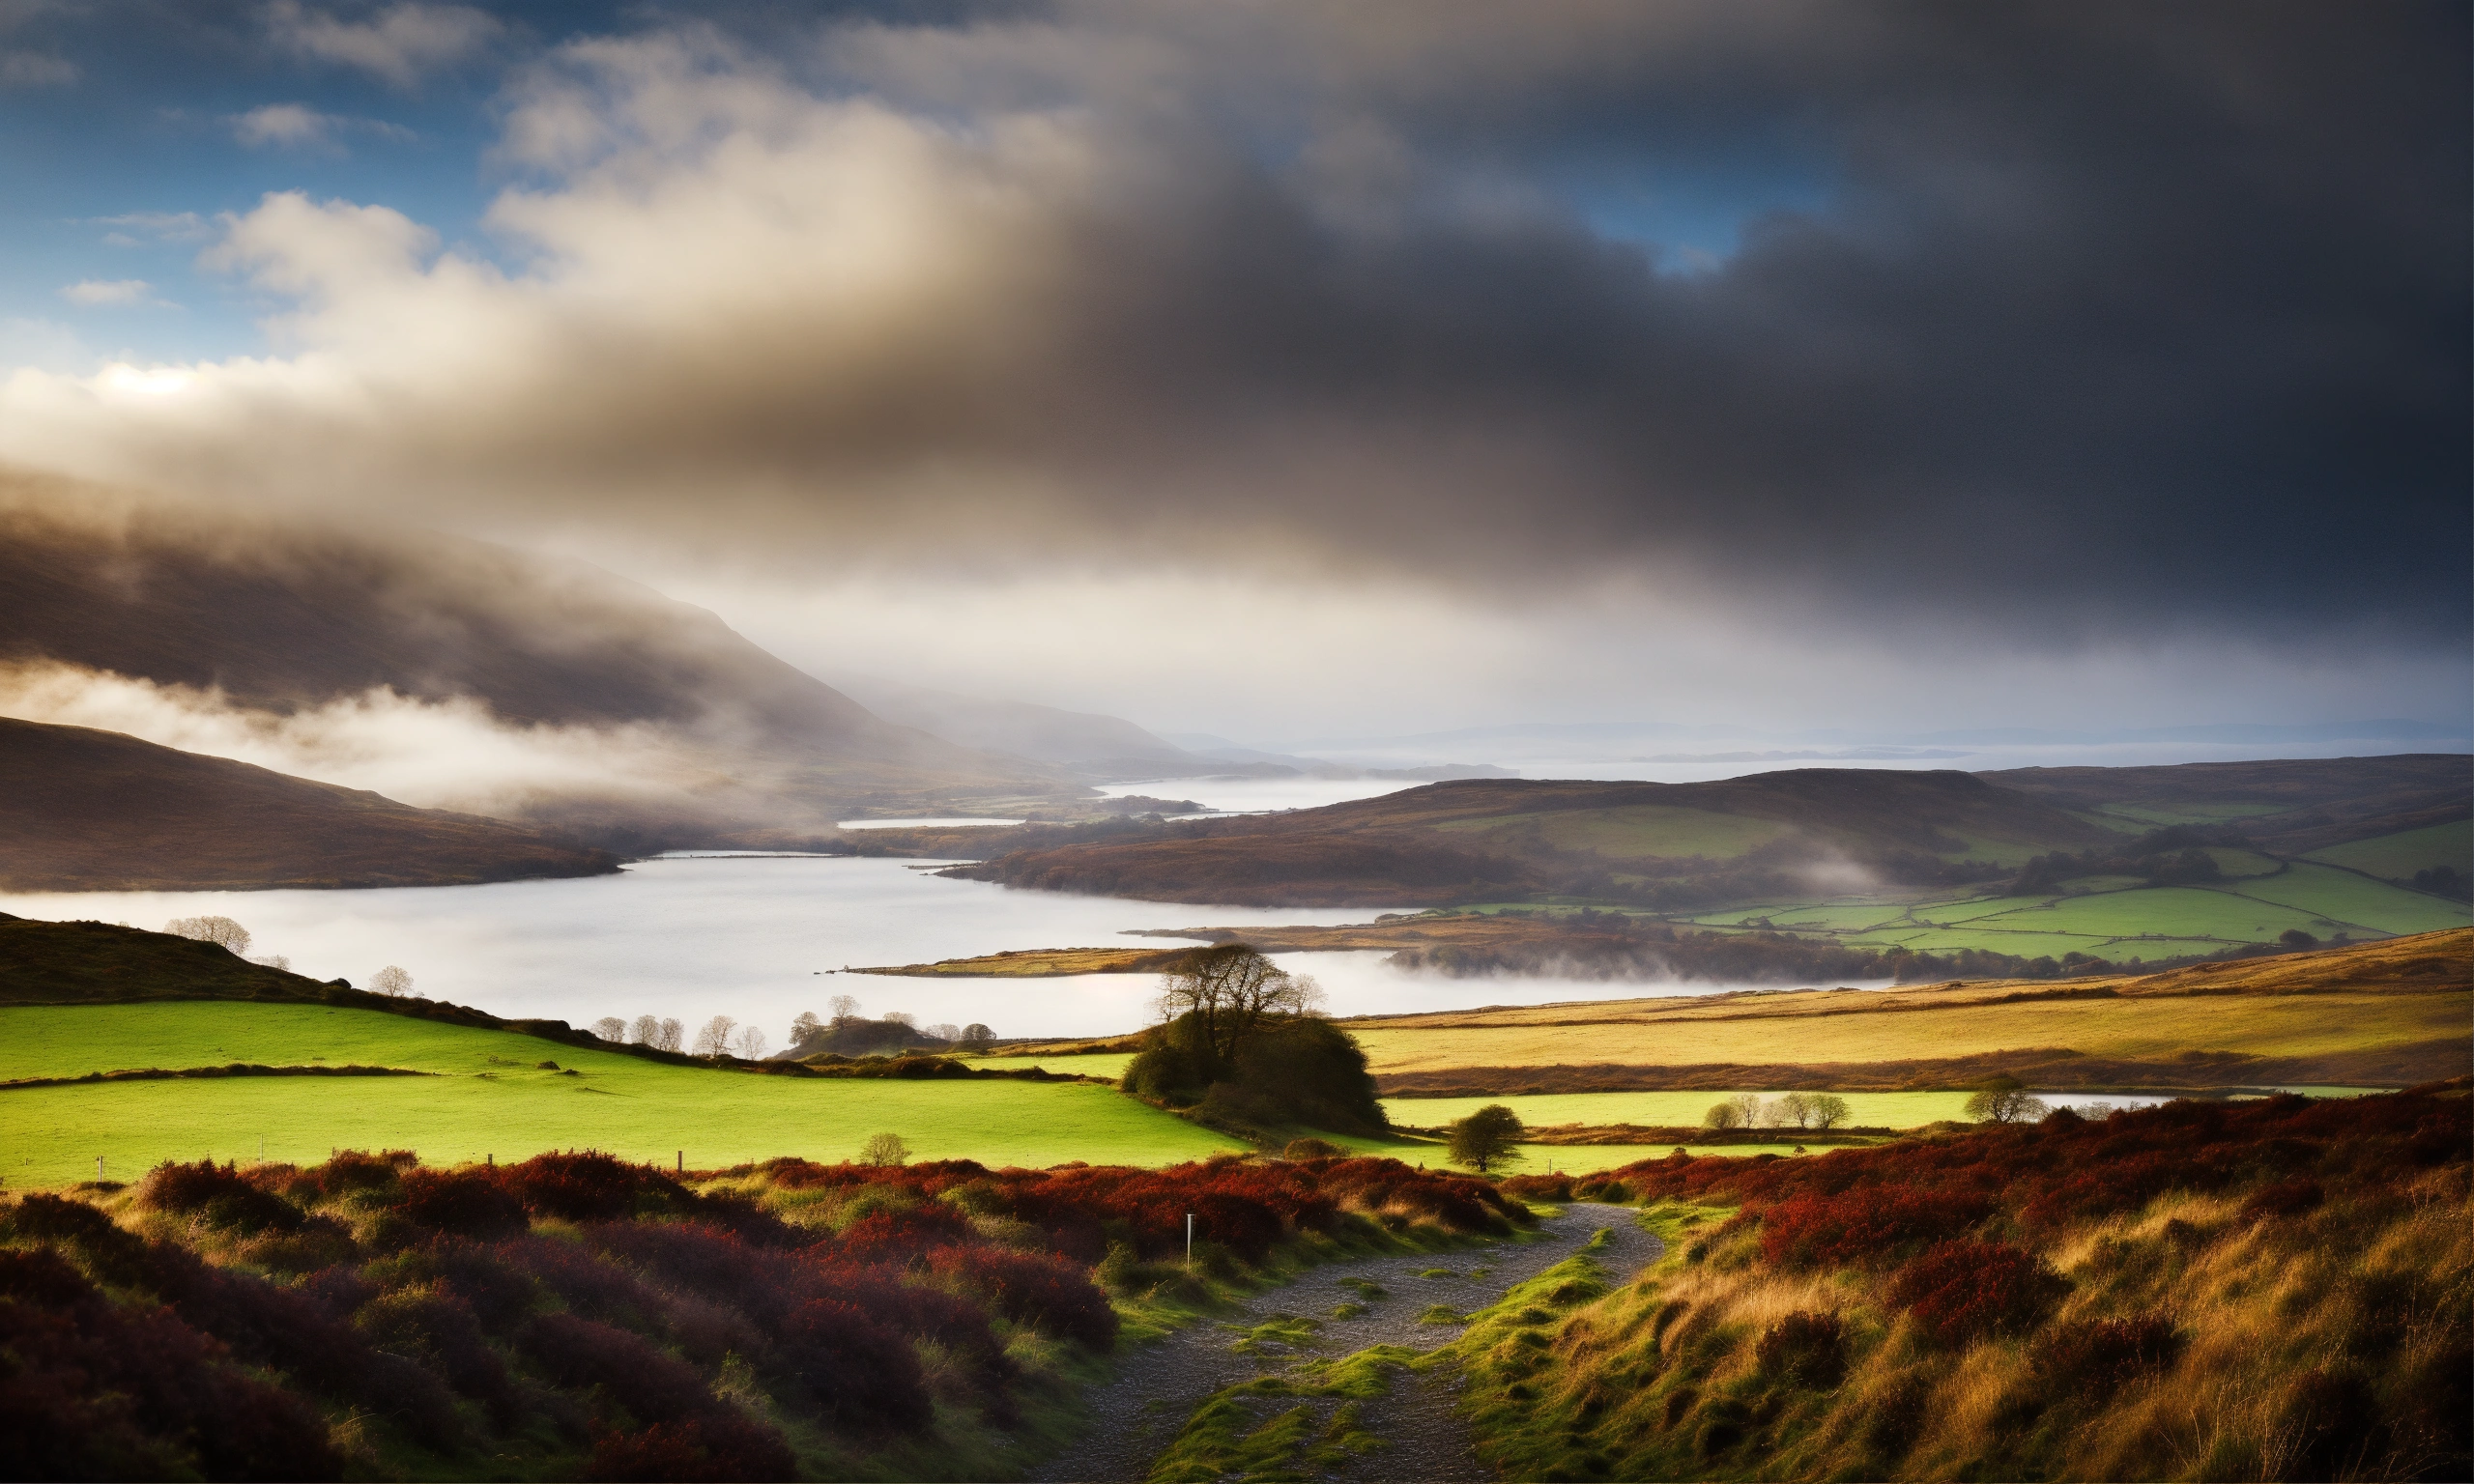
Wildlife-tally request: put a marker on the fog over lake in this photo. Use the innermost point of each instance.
(749, 937)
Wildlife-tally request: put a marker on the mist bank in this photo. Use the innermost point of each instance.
(447, 672)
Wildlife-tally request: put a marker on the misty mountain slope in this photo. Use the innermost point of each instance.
(1661, 843)
(1094, 746)
(94, 810)
(605, 706)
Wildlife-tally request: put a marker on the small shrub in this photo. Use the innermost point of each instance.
(220, 1194)
(2094, 1358)
(1313, 1149)
(1048, 1292)
(1804, 1350)
(855, 1370)
(465, 1202)
(580, 1354)
(1959, 1291)
(1827, 1231)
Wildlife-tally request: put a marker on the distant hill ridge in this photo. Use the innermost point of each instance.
(88, 811)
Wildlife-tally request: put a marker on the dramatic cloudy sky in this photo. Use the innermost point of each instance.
(1281, 367)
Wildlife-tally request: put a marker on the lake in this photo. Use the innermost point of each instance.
(756, 937)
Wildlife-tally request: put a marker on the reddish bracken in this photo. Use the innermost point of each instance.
(1961, 1291)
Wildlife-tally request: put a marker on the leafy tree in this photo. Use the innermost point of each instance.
(715, 1037)
(1228, 991)
(807, 1027)
(976, 1036)
(1486, 1137)
(610, 1028)
(221, 932)
(1723, 1115)
(883, 1148)
(2297, 939)
(2006, 1105)
(1825, 1110)
(391, 981)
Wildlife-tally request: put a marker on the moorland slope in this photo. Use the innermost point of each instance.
(89, 810)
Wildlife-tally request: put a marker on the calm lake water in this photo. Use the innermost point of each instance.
(752, 937)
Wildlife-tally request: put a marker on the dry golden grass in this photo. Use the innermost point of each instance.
(2392, 993)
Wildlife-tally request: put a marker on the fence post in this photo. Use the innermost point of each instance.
(682, 1161)
(1190, 1239)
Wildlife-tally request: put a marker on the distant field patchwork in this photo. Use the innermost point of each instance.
(2396, 857)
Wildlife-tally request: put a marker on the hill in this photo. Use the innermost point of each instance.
(273, 621)
(1654, 844)
(1100, 747)
(95, 810)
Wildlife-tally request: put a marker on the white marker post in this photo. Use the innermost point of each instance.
(98, 1174)
(1190, 1226)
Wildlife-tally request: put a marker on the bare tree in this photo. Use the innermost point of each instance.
(843, 1006)
(221, 932)
(1230, 990)
(275, 961)
(610, 1028)
(884, 1149)
(715, 1037)
(901, 1017)
(391, 981)
(674, 1035)
(1792, 1110)
(946, 1032)
(806, 1028)
(749, 1043)
(646, 1032)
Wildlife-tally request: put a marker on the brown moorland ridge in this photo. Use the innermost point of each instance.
(88, 811)
(2386, 1013)
(1485, 838)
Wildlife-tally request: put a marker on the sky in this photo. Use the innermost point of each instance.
(1284, 370)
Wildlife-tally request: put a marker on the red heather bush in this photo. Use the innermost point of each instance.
(1046, 1293)
(1959, 1291)
(896, 1236)
(587, 1285)
(706, 1260)
(720, 1446)
(1830, 1231)
(2286, 1198)
(96, 1390)
(222, 1194)
(2090, 1359)
(581, 1354)
(590, 1186)
(854, 1369)
(465, 1202)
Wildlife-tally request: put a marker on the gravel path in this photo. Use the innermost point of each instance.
(1160, 1386)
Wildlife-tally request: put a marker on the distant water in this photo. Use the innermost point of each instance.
(746, 936)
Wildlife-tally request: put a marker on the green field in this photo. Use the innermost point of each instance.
(1093, 1064)
(493, 1100)
(2396, 857)
(2358, 902)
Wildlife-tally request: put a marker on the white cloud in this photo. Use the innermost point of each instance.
(158, 226)
(297, 126)
(43, 347)
(36, 70)
(101, 293)
(400, 45)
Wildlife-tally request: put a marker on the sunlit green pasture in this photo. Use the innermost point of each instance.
(2398, 856)
(2357, 901)
(507, 1107)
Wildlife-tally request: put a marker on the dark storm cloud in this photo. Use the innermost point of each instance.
(2107, 316)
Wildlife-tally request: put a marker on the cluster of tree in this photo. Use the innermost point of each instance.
(1789, 1110)
(229, 935)
(652, 1031)
(2445, 881)
(1240, 1041)
(847, 1033)
(2174, 856)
